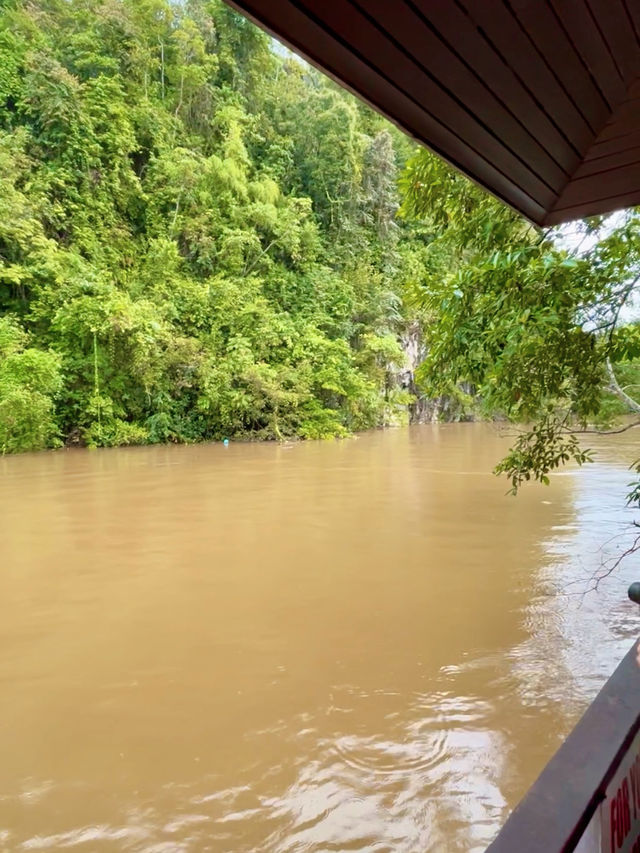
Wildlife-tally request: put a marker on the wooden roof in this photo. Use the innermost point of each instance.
(536, 100)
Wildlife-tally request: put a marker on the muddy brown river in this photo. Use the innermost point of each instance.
(325, 646)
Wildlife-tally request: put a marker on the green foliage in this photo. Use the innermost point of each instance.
(624, 343)
(29, 380)
(543, 448)
(197, 237)
(534, 328)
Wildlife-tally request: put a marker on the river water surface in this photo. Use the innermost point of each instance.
(358, 645)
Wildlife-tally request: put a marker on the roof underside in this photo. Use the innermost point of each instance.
(536, 100)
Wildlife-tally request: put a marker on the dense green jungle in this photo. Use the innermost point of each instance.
(201, 237)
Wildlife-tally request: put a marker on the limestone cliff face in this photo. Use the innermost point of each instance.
(425, 410)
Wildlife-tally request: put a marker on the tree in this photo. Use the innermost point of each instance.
(196, 232)
(533, 321)
(29, 382)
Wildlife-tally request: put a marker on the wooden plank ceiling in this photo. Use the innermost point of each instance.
(536, 100)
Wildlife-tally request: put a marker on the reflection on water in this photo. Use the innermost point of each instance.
(359, 645)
